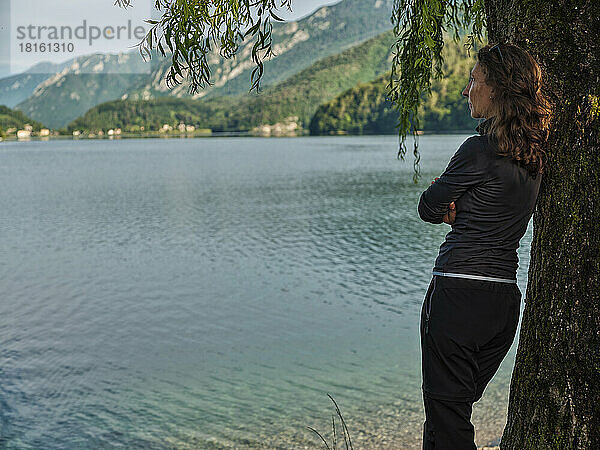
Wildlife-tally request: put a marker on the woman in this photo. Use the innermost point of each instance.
(487, 194)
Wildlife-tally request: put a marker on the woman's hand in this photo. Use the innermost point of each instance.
(450, 216)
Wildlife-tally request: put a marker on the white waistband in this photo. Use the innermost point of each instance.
(474, 277)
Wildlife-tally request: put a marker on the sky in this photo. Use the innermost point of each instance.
(301, 8)
(22, 48)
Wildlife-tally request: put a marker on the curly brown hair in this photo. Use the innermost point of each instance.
(521, 111)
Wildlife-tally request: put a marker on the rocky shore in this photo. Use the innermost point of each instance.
(388, 428)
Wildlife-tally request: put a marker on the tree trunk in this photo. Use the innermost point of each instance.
(555, 388)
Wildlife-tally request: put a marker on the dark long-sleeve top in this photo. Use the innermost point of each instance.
(494, 197)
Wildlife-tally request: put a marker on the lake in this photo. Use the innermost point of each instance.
(210, 293)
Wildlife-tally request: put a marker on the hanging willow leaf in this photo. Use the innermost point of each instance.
(418, 27)
(190, 29)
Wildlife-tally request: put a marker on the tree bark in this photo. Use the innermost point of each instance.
(555, 388)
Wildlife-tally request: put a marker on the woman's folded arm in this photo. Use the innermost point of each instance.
(466, 169)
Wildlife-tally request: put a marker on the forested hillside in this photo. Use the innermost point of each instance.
(364, 108)
(11, 119)
(298, 96)
(61, 98)
(297, 45)
(342, 93)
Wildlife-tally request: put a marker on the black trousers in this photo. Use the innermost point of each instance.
(467, 327)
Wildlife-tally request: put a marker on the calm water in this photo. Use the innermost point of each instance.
(209, 293)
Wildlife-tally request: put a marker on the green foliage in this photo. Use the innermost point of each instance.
(327, 32)
(335, 94)
(419, 26)
(299, 95)
(332, 30)
(11, 118)
(366, 108)
(146, 115)
(189, 30)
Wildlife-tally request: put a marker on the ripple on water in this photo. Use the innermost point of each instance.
(210, 293)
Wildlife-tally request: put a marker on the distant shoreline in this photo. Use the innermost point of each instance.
(158, 135)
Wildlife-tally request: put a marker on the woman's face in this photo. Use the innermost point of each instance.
(479, 94)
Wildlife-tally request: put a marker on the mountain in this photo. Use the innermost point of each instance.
(85, 82)
(345, 92)
(364, 109)
(297, 45)
(16, 88)
(299, 96)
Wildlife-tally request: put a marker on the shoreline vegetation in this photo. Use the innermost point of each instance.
(341, 94)
(156, 135)
(47, 135)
